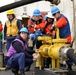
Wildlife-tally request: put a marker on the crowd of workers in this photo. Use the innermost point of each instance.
(19, 54)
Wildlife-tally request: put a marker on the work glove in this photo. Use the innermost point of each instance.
(32, 36)
(36, 56)
(38, 33)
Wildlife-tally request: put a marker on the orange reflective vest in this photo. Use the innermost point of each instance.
(47, 30)
(34, 26)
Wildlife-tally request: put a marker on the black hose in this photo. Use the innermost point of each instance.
(71, 55)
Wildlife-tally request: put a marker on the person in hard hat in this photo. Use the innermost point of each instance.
(64, 27)
(47, 30)
(62, 23)
(49, 23)
(36, 25)
(36, 22)
(11, 28)
(18, 55)
(1, 36)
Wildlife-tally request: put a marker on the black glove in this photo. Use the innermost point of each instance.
(52, 27)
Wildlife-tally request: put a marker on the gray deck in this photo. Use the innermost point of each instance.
(2, 72)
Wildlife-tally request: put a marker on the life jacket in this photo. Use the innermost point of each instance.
(12, 51)
(1, 28)
(12, 28)
(64, 31)
(40, 24)
(47, 29)
(31, 22)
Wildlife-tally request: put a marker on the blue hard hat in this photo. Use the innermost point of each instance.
(24, 30)
(36, 12)
(54, 10)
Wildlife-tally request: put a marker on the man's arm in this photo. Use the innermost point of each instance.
(61, 22)
(19, 24)
(19, 48)
(31, 51)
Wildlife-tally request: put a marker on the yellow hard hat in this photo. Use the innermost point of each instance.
(10, 12)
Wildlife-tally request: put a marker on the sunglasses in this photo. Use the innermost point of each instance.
(54, 14)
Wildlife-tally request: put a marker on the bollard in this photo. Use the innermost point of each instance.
(1, 59)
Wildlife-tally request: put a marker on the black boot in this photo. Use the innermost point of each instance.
(7, 68)
(22, 72)
(28, 68)
(15, 71)
(46, 63)
(69, 67)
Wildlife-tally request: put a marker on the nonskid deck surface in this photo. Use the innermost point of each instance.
(3, 72)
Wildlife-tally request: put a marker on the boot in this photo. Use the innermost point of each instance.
(46, 63)
(69, 64)
(69, 67)
(7, 68)
(28, 68)
(15, 71)
(22, 72)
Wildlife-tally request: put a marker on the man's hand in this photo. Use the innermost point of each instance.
(48, 33)
(32, 25)
(29, 26)
(36, 56)
(37, 50)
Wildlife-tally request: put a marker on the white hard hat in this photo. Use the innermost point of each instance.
(19, 17)
(49, 15)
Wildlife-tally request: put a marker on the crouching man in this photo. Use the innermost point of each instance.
(18, 55)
